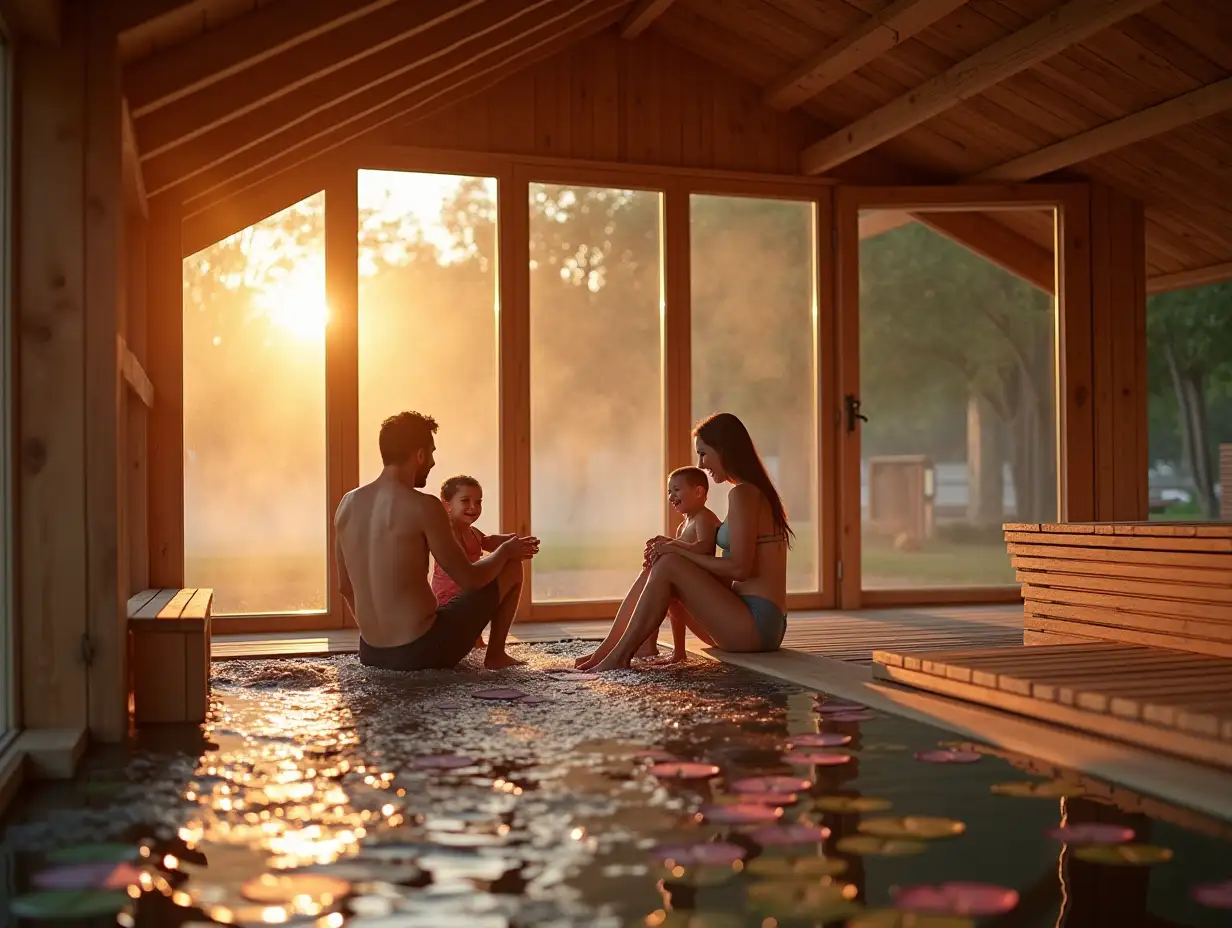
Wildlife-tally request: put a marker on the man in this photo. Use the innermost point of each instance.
(384, 532)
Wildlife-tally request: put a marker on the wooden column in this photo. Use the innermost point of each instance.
(1074, 348)
(138, 416)
(677, 315)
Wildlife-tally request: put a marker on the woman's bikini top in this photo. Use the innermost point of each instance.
(723, 538)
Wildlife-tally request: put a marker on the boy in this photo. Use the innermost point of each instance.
(687, 490)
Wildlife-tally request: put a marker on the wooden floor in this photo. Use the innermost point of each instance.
(846, 636)
(1168, 700)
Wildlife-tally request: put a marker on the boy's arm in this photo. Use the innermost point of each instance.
(699, 539)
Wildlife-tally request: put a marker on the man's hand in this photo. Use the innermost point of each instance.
(519, 548)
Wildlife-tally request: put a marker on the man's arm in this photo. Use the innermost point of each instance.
(492, 542)
(443, 544)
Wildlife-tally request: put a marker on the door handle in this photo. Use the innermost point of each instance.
(853, 412)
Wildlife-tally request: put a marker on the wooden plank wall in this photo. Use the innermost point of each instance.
(1225, 482)
(68, 188)
(643, 102)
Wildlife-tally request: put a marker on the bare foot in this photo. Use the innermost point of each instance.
(584, 659)
(611, 662)
(501, 661)
(649, 648)
(671, 660)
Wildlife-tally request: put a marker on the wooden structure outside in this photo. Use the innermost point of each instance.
(145, 131)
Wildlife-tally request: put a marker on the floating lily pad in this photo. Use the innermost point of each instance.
(62, 905)
(851, 804)
(821, 902)
(713, 853)
(897, 918)
(823, 739)
(797, 867)
(749, 813)
(534, 699)
(1125, 855)
(912, 826)
(684, 770)
(95, 854)
(88, 876)
(838, 708)
(1213, 895)
(500, 692)
(973, 899)
(771, 785)
(817, 758)
(786, 835)
(1091, 833)
(765, 799)
(282, 888)
(1039, 789)
(945, 756)
(442, 762)
(873, 846)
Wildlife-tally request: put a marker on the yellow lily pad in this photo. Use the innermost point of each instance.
(1125, 855)
(874, 846)
(897, 918)
(797, 867)
(1039, 789)
(823, 902)
(851, 804)
(913, 826)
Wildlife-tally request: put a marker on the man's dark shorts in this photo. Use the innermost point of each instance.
(458, 623)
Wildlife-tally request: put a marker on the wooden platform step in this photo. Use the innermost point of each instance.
(1166, 700)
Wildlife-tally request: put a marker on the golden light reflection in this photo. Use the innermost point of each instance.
(296, 304)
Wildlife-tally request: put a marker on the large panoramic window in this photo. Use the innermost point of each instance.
(753, 340)
(427, 320)
(597, 490)
(957, 378)
(255, 502)
(1189, 369)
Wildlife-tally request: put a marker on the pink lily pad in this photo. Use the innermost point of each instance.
(948, 757)
(837, 708)
(742, 813)
(1091, 833)
(712, 854)
(500, 692)
(824, 739)
(770, 799)
(1213, 895)
(684, 770)
(442, 762)
(971, 899)
(844, 717)
(816, 758)
(534, 699)
(771, 785)
(88, 876)
(791, 834)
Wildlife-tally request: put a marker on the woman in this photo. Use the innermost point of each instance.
(737, 602)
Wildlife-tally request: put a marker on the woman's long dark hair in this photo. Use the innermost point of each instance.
(726, 434)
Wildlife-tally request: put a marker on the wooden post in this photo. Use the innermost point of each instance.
(137, 520)
(678, 311)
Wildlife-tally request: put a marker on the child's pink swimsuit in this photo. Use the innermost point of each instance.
(443, 585)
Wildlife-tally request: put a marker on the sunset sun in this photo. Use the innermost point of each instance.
(297, 303)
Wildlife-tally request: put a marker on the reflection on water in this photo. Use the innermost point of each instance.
(324, 793)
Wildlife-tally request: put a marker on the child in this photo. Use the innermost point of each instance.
(462, 497)
(687, 489)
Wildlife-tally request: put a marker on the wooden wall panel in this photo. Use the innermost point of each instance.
(643, 102)
(137, 416)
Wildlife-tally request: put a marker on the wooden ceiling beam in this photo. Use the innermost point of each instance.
(1120, 133)
(642, 16)
(343, 124)
(1197, 277)
(371, 81)
(38, 19)
(895, 24)
(1065, 26)
(883, 220)
(996, 242)
(254, 82)
(134, 182)
(134, 14)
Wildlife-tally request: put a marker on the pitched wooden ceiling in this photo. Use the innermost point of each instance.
(223, 94)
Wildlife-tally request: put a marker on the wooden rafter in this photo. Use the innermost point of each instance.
(134, 182)
(1197, 277)
(215, 56)
(476, 67)
(881, 221)
(997, 243)
(1047, 36)
(399, 70)
(1120, 133)
(896, 23)
(642, 16)
(136, 14)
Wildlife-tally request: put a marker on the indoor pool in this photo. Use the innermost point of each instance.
(325, 793)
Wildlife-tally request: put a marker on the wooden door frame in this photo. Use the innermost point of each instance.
(1072, 350)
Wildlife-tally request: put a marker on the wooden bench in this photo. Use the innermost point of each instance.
(169, 635)
(1160, 584)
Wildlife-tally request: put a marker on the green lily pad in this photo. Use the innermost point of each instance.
(913, 826)
(851, 804)
(796, 867)
(60, 905)
(1039, 789)
(95, 854)
(1125, 855)
(823, 902)
(873, 846)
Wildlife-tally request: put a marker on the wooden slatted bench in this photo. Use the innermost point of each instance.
(1166, 584)
(169, 635)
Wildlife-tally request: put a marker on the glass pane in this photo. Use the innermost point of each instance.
(597, 482)
(427, 320)
(255, 504)
(957, 378)
(753, 312)
(1189, 369)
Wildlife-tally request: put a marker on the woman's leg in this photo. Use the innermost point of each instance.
(619, 625)
(727, 621)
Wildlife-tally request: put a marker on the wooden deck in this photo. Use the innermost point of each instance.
(846, 636)
(1166, 700)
